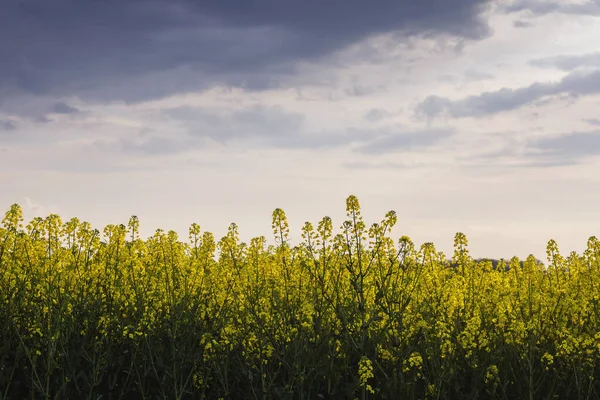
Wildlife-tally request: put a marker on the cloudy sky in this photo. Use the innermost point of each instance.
(461, 115)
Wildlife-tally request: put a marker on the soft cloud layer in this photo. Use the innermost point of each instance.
(470, 116)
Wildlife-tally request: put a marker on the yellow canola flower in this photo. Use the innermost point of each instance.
(365, 372)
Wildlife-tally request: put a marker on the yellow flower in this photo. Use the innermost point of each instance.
(365, 372)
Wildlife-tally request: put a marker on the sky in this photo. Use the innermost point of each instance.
(472, 116)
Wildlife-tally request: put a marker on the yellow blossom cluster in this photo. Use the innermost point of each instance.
(342, 314)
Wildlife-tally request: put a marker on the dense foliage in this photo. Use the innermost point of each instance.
(108, 315)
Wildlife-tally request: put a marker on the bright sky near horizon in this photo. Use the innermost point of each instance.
(461, 115)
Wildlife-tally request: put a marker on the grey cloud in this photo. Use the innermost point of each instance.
(545, 152)
(592, 121)
(405, 141)
(574, 84)
(570, 146)
(34, 108)
(358, 89)
(542, 7)
(7, 125)
(63, 108)
(433, 106)
(579, 83)
(532, 154)
(569, 62)
(522, 24)
(377, 114)
(132, 51)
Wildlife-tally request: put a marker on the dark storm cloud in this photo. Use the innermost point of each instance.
(574, 84)
(133, 50)
(569, 62)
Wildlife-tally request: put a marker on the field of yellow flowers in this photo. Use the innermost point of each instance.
(348, 313)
